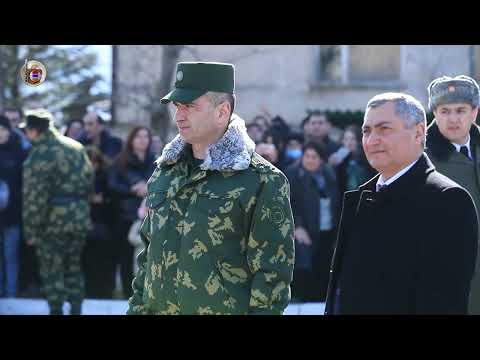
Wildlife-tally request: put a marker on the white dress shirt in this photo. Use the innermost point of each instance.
(381, 182)
(467, 144)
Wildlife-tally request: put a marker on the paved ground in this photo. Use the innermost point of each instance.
(116, 307)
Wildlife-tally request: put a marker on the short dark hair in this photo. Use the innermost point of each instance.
(216, 98)
(278, 138)
(278, 123)
(318, 148)
(295, 135)
(314, 113)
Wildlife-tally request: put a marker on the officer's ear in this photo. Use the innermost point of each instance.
(223, 111)
(474, 114)
(420, 132)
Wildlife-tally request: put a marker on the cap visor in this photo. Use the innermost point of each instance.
(182, 96)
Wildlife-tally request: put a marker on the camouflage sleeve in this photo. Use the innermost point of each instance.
(270, 247)
(135, 303)
(90, 173)
(36, 190)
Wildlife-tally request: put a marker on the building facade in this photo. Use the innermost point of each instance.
(287, 80)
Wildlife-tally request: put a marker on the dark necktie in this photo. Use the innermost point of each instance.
(381, 187)
(464, 151)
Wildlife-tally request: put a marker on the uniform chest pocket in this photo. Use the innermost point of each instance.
(222, 223)
(212, 204)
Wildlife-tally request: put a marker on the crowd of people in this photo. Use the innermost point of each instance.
(319, 169)
(121, 170)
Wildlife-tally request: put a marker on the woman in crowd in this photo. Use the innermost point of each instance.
(315, 204)
(293, 148)
(98, 260)
(351, 165)
(128, 182)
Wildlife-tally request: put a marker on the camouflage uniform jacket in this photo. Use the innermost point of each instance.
(219, 240)
(57, 180)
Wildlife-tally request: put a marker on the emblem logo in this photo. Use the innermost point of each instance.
(33, 73)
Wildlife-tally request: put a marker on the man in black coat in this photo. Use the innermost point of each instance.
(317, 128)
(96, 134)
(12, 156)
(407, 240)
(453, 143)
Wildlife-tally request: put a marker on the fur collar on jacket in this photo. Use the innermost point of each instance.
(232, 152)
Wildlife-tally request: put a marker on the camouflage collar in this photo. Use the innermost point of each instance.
(232, 152)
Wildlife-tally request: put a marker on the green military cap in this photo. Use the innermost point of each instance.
(193, 79)
(37, 117)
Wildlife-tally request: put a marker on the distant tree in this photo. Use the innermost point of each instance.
(146, 94)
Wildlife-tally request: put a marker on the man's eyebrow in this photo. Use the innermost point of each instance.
(185, 104)
(382, 123)
(455, 108)
(386, 122)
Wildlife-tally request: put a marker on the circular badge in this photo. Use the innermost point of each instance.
(180, 75)
(278, 216)
(33, 73)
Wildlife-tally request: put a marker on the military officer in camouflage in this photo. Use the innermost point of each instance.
(219, 230)
(57, 180)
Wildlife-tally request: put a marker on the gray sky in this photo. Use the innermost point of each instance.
(104, 53)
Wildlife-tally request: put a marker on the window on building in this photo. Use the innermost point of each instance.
(359, 65)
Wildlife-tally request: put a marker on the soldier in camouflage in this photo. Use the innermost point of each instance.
(219, 230)
(57, 180)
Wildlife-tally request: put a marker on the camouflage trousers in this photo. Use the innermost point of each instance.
(60, 271)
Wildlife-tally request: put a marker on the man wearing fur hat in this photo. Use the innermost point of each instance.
(219, 229)
(453, 143)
